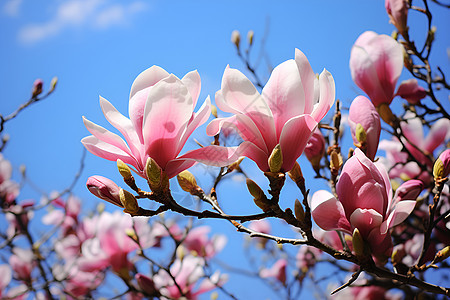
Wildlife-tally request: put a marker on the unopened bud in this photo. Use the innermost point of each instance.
(129, 202)
(23, 170)
(37, 88)
(336, 160)
(53, 84)
(296, 173)
(214, 110)
(398, 255)
(157, 178)
(360, 133)
(358, 243)
(276, 159)
(298, 210)
(124, 170)
(236, 38)
(432, 33)
(235, 165)
(214, 296)
(187, 182)
(131, 234)
(385, 113)
(250, 35)
(441, 167)
(258, 195)
(442, 255)
(105, 189)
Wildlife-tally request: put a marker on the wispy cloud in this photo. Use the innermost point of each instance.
(12, 7)
(101, 14)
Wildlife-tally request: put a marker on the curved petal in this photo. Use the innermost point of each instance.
(284, 93)
(167, 112)
(437, 134)
(365, 220)
(294, 137)
(307, 77)
(193, 83)
(106, 136)
(124, 125)
(401, 211)
(326, 96)
(147, 78)
(255, 153)
(413, 130)
(380, 244)
(217, 156)
(197, 120)
(328, 212)
(108, 151)
(244, 126)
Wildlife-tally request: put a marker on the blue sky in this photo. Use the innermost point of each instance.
(98, 47)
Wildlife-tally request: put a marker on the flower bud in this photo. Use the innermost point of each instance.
(442, 255)
(129, 202)
(37, 88)
(236, 38)
(276, 159)
(298, 210)
(409, 190)
(385, 113)
(235, 165)
(214, 110)
(105, 189)
(441, 167)
(187, 182)
(296, 173)
(250, 35)
(335, 160)
(398, 14)
(315, 149)
(360, 134)
(53, 84)
(156, 177)
(124, 170)
(358, 243)
(258, 195)
(146, 284)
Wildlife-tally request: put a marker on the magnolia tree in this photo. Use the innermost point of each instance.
(383, 223)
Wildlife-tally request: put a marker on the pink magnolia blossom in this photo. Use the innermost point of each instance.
(67, 218)
(162, 117)
(9, 189)
(365, 202)
(197, 241)
(398, 13)
(262, 226)
(411, 91)
(277, 271)
(187, 273)
(364, 113)
(18, 217)
(105, 189)
(376, 62)
(444, 157)
(22, 262)
(285, 113)
(146, 284)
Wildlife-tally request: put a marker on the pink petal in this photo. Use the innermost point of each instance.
(308, 78)
(284, 93)
(244, 126)
(437, 135)
(326, 97)
(294, 137)
(365, 220)
(401, 211)
(197, 120)
(147, 78)
(167, 112)
(328, 212)
(413, 129)
(193, 83)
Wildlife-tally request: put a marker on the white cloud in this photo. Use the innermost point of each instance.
(12, 7)
(100, 14)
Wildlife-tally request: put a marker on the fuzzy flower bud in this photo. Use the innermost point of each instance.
(157, 179)
(53, 84)
(276, 159)
(124, 170)
(250, 36)
(187, 182)
(442, 255)
(296, 173)
(298, 210)
(236, 38)
(37, 88)
(259, 197)
(385, 113)
(335, 160)
(235, 165)
(129, 202)
(105, 189)
(214, 110)
(358, 243)
(441, 167)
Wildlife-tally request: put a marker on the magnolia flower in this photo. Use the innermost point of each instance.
(105, 189)
(197, 241)
(376, 62)
(365, 125)
(9, 189)
(315, 149)
(411, 91)
(162, 118)
(22, 262)
(285, 113)
(6, 277)
(365, 202)
(398, 13)
(442, 165)
(278, 271)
